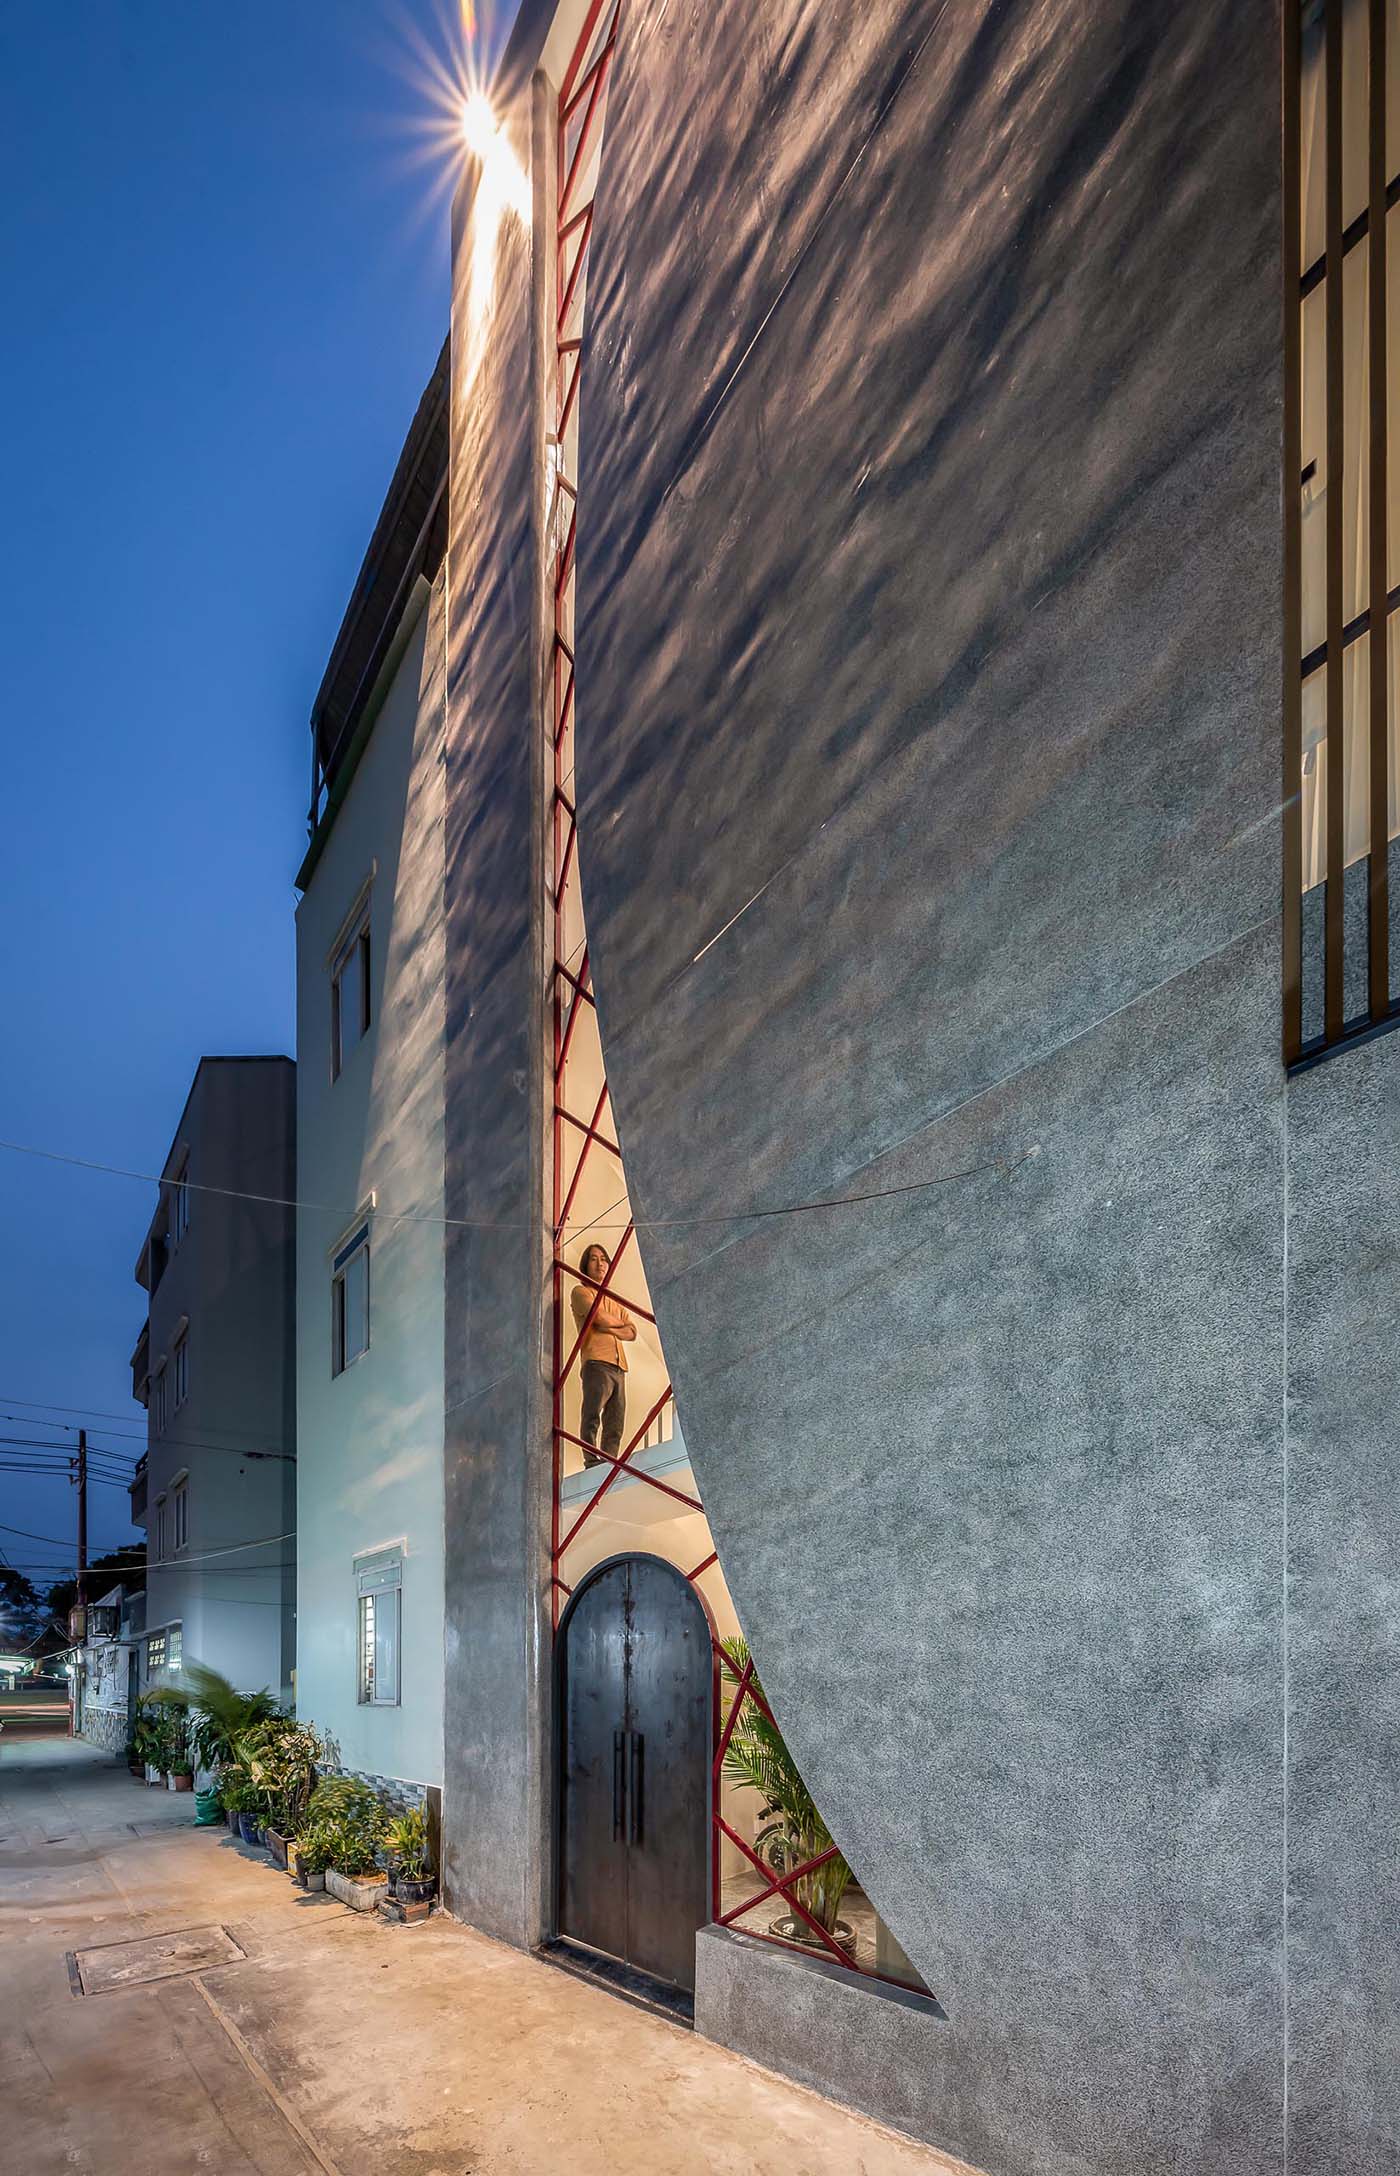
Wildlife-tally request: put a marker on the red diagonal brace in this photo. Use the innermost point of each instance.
(593, 1502)
(796, 1902)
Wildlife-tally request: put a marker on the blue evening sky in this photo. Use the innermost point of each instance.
(224, 264)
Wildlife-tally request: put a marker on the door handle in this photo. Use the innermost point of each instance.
(634, 1786)
(617, 1786)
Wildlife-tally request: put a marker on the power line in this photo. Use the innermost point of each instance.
(60, 1454)
(133, 1435)
(52, 1405)
(1001, 1164)
(59, 1541)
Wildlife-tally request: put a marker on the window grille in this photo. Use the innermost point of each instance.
(379, 1602)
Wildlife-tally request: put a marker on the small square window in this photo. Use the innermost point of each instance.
(350, 1302)
(155, 1653)
(350, 994)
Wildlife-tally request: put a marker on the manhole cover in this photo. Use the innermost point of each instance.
(154, 1957)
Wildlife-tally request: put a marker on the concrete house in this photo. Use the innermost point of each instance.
(213, 1367)
(916, 818)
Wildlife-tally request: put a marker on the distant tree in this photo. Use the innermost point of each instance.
(22, 1613)
(120, 1567)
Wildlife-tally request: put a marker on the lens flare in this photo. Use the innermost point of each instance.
(480, 128)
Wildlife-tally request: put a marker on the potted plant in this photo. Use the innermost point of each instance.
(222, 1716)
(236, 1793)
(179, 1763)
(144, 1747)
(758, 1759)
(284, 1759)
(241, 1799)
(357, 1822)
(406, 1840)
(314, 1847)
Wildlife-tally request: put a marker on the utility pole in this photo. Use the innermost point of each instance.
(82, 1512)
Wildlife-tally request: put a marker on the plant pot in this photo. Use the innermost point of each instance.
(277, 1845)
(137, 1767)
(250, 1832)
(414, 1892)
(360, 1891)
(232, 1818)
(182, 1783)
(311, 1881)
(791, 1928)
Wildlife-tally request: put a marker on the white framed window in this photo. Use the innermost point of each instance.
(180, 1515)
(350, 1301)
(162, 1529)
(180, 1369)
(350, 990)
(379, 1606)
(180, 1204)
(155, 1653)
(175, 1647)
(160, 1401)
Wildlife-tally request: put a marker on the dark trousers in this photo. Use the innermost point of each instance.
(605, 1399)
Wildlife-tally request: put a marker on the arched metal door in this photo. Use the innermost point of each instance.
(635, 1726)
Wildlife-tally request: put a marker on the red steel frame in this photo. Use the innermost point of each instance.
(582, 103)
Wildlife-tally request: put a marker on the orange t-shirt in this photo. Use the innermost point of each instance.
(600, 1344)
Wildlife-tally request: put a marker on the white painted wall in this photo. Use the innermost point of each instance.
(370, 1440)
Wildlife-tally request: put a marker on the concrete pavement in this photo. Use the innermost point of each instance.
(333, 2043)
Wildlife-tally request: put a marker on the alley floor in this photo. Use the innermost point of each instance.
(328, 2041)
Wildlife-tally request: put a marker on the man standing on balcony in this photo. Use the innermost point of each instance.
(604, 1360)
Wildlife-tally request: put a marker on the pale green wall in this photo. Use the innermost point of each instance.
(370, 1458)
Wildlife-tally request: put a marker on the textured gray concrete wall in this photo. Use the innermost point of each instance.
(857, 2040)
(929, 760)
(496, 1465)
(1344, 1629)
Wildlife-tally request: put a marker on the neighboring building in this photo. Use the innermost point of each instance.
(370, 999)
(216, 1490)
(937, 660)
(108, 1664)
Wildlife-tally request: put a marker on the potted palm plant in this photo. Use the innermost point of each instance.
(222, 1715)
(406, 1842)
(792, 1831)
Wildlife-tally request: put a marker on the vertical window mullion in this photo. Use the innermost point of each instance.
(1335, 879)
(1378, 640)
(1292, 538)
